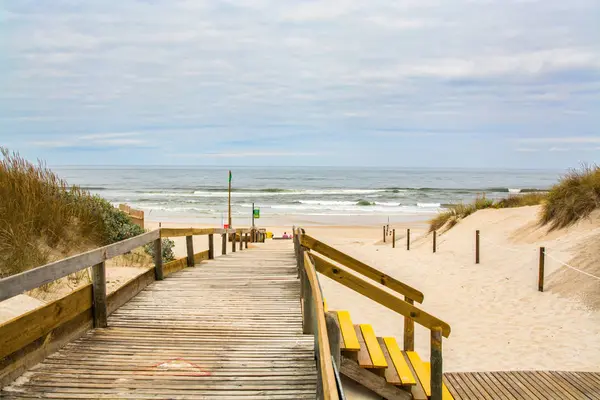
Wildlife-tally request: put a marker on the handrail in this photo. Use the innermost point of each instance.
(328, 381)
(389, 300)
(18, 283)
(361, 268)
(339, 273)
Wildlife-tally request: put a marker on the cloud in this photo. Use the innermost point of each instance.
(558, 149)
(565, 139)
(96, 140)
(243, 154)
(526, 150)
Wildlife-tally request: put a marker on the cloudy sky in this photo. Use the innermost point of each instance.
(459, 83)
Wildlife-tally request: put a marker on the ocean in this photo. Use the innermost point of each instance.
(306, 194)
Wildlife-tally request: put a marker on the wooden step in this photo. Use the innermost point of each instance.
(398, 361)
(370, 354)
(349, 339)
(390, 373)
(421, 371)
(446, 395)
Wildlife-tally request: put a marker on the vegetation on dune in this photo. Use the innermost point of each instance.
(43, 218)
(455, 213)
(573, 198)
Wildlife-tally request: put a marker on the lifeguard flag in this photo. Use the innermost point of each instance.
(230, 176)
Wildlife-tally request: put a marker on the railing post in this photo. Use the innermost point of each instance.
(224, 243)
(408, 239)
(189, 241)
(477, 246)
(99, 293)
(307, 299)
(211, 246)
(334, 335)
(436, 363)
(434, 241)
(233, 239)
(541, 271)
(158, 264)
(409, 329)
(394, 238)
(246, 239)
(384, 234)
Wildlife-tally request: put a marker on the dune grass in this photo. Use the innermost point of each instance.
(42, 218)
(455, 213)
(573, 198)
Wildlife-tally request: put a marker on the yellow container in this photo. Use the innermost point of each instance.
(269, 235)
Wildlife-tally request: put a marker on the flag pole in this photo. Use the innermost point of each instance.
(230, 200)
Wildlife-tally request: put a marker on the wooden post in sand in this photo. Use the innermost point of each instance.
(384, 234)
(408, 239)
(434, 241)
(224, 244)
(541, 273)
(393, 238)
(477, 246)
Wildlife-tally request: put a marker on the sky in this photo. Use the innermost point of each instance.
(413, 83)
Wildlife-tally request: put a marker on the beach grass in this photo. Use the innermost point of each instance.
(450, 217)
(575, 197)
(42, 218)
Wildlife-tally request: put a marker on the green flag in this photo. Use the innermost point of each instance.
(230, 176)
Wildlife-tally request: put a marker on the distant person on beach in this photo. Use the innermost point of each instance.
(285, 235)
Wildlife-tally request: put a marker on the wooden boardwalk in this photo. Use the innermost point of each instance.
(524, 385)
(229, 328)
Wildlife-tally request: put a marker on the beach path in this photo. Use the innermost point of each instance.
(227, 328)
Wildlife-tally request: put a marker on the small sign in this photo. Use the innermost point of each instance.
(256, 213)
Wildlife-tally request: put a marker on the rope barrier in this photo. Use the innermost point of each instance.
(570, 266)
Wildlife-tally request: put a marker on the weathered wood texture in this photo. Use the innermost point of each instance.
(36, 277)
(374, 382)
(385, 298)
(361, 268)
(551, 385)
(231, 328)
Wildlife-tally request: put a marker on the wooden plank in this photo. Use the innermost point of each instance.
(372, 381)
(421, 371)
(390, 373)
(174, 266)
(199, 257)
(372, 344)
(350, 342)
(175, 232)
(129, 290)
(326, 364)
(36, 277)
(202, 231)
(99, 295)
(389, 300)
(361, 268)
(362, 356)
(399, 362)
(19, 331)
(211, 246)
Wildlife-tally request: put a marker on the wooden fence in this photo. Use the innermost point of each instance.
(137, 216)
(29, 338)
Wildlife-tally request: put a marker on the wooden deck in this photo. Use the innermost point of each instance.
(229, 328)
(524, 385)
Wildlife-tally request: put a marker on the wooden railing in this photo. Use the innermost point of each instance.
(27, 339)
(306, 247)
(313, 322)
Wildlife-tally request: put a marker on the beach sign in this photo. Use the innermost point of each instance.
(256, 213)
